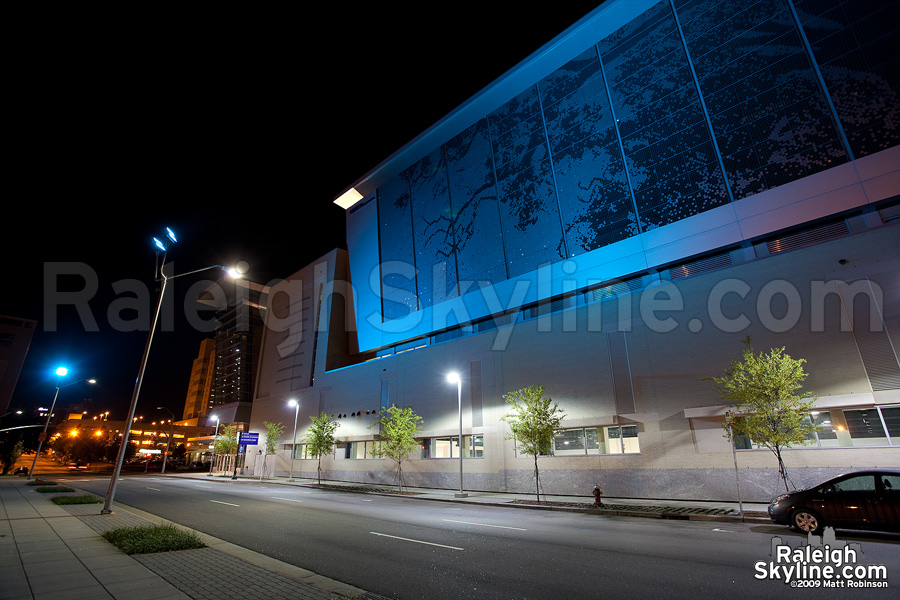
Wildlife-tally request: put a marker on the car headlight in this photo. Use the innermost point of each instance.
(778, 499)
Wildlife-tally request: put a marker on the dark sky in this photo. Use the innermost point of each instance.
(237, 129)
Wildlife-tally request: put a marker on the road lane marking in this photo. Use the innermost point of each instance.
(485, 525)
(288, 499)
(228, 503)
(154, 489)
(415, 541)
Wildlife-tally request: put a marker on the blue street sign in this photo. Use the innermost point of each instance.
(248, 439)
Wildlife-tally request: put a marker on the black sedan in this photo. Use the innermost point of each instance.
(859, 500)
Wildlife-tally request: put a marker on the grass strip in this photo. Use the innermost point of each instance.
(41, 482)
(152, 538)
(82, 499)
(53, 489)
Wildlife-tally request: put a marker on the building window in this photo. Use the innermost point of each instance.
(872, 426)
(448, 447)
(597, 440)
(361, 450)
(300, 451)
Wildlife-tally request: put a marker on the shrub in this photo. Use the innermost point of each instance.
(82, 499)
(152, 538)
(53, 489)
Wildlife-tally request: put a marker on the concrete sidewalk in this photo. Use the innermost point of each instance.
(50, 551)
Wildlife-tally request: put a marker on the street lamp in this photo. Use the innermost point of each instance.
(296, 407)
(160, 276)
(169, 440)
(60, 372)
(454, 378)
(213, 460)
(18, 412)
(737, 480)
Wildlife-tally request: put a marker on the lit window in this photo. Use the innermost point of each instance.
(448, 447)
(846, 428)
(597, 440)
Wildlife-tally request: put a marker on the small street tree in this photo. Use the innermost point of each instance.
(320, 440)
(397, 438)
(10, 451)
(273, 436)
(226, 442)
(761, 391)
(533, 420)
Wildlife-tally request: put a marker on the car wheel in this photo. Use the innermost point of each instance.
(806, 521)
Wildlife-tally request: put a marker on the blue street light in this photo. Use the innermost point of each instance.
(163, 279)
(60, 372)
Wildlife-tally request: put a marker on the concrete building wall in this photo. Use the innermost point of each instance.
(679, 418)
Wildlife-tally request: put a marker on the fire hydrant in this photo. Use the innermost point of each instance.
(597, 493)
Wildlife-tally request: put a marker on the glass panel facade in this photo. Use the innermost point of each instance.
(433, 229)
(669, 153)
(590, 171)
(673, 114)
(398, 281)
(476, 216)
(854, 44)
(770, 117)
(529, 211)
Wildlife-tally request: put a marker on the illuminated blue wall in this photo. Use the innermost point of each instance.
(662, 113)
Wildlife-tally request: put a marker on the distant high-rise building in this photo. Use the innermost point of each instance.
(240, 307)
(196, 405)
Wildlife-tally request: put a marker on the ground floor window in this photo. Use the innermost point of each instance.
(361, 450)
(448, 447)
(597, 440)
(846, 428)
(300, 451)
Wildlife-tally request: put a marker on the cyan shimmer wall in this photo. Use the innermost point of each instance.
(683, 107)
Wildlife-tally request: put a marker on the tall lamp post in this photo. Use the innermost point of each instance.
(454, 378)
(60, 372)
(296, 406)
(737, 479)
(160, 276)
(213, 460)
(169, 439)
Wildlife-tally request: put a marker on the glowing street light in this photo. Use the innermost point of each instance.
(60, 372)
(296, 406)
(454, 378)
(160, 276)
(213, 459)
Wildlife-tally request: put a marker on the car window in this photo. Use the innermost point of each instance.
(858, 483)
(891, 483)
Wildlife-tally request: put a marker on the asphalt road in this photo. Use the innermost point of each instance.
(410, 549)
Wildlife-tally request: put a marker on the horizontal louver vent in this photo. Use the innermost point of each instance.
(552, 306)
(808, 237)
(616, 289)
(446, 336)
(704, 265)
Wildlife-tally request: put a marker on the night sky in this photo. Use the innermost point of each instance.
(236, 129)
